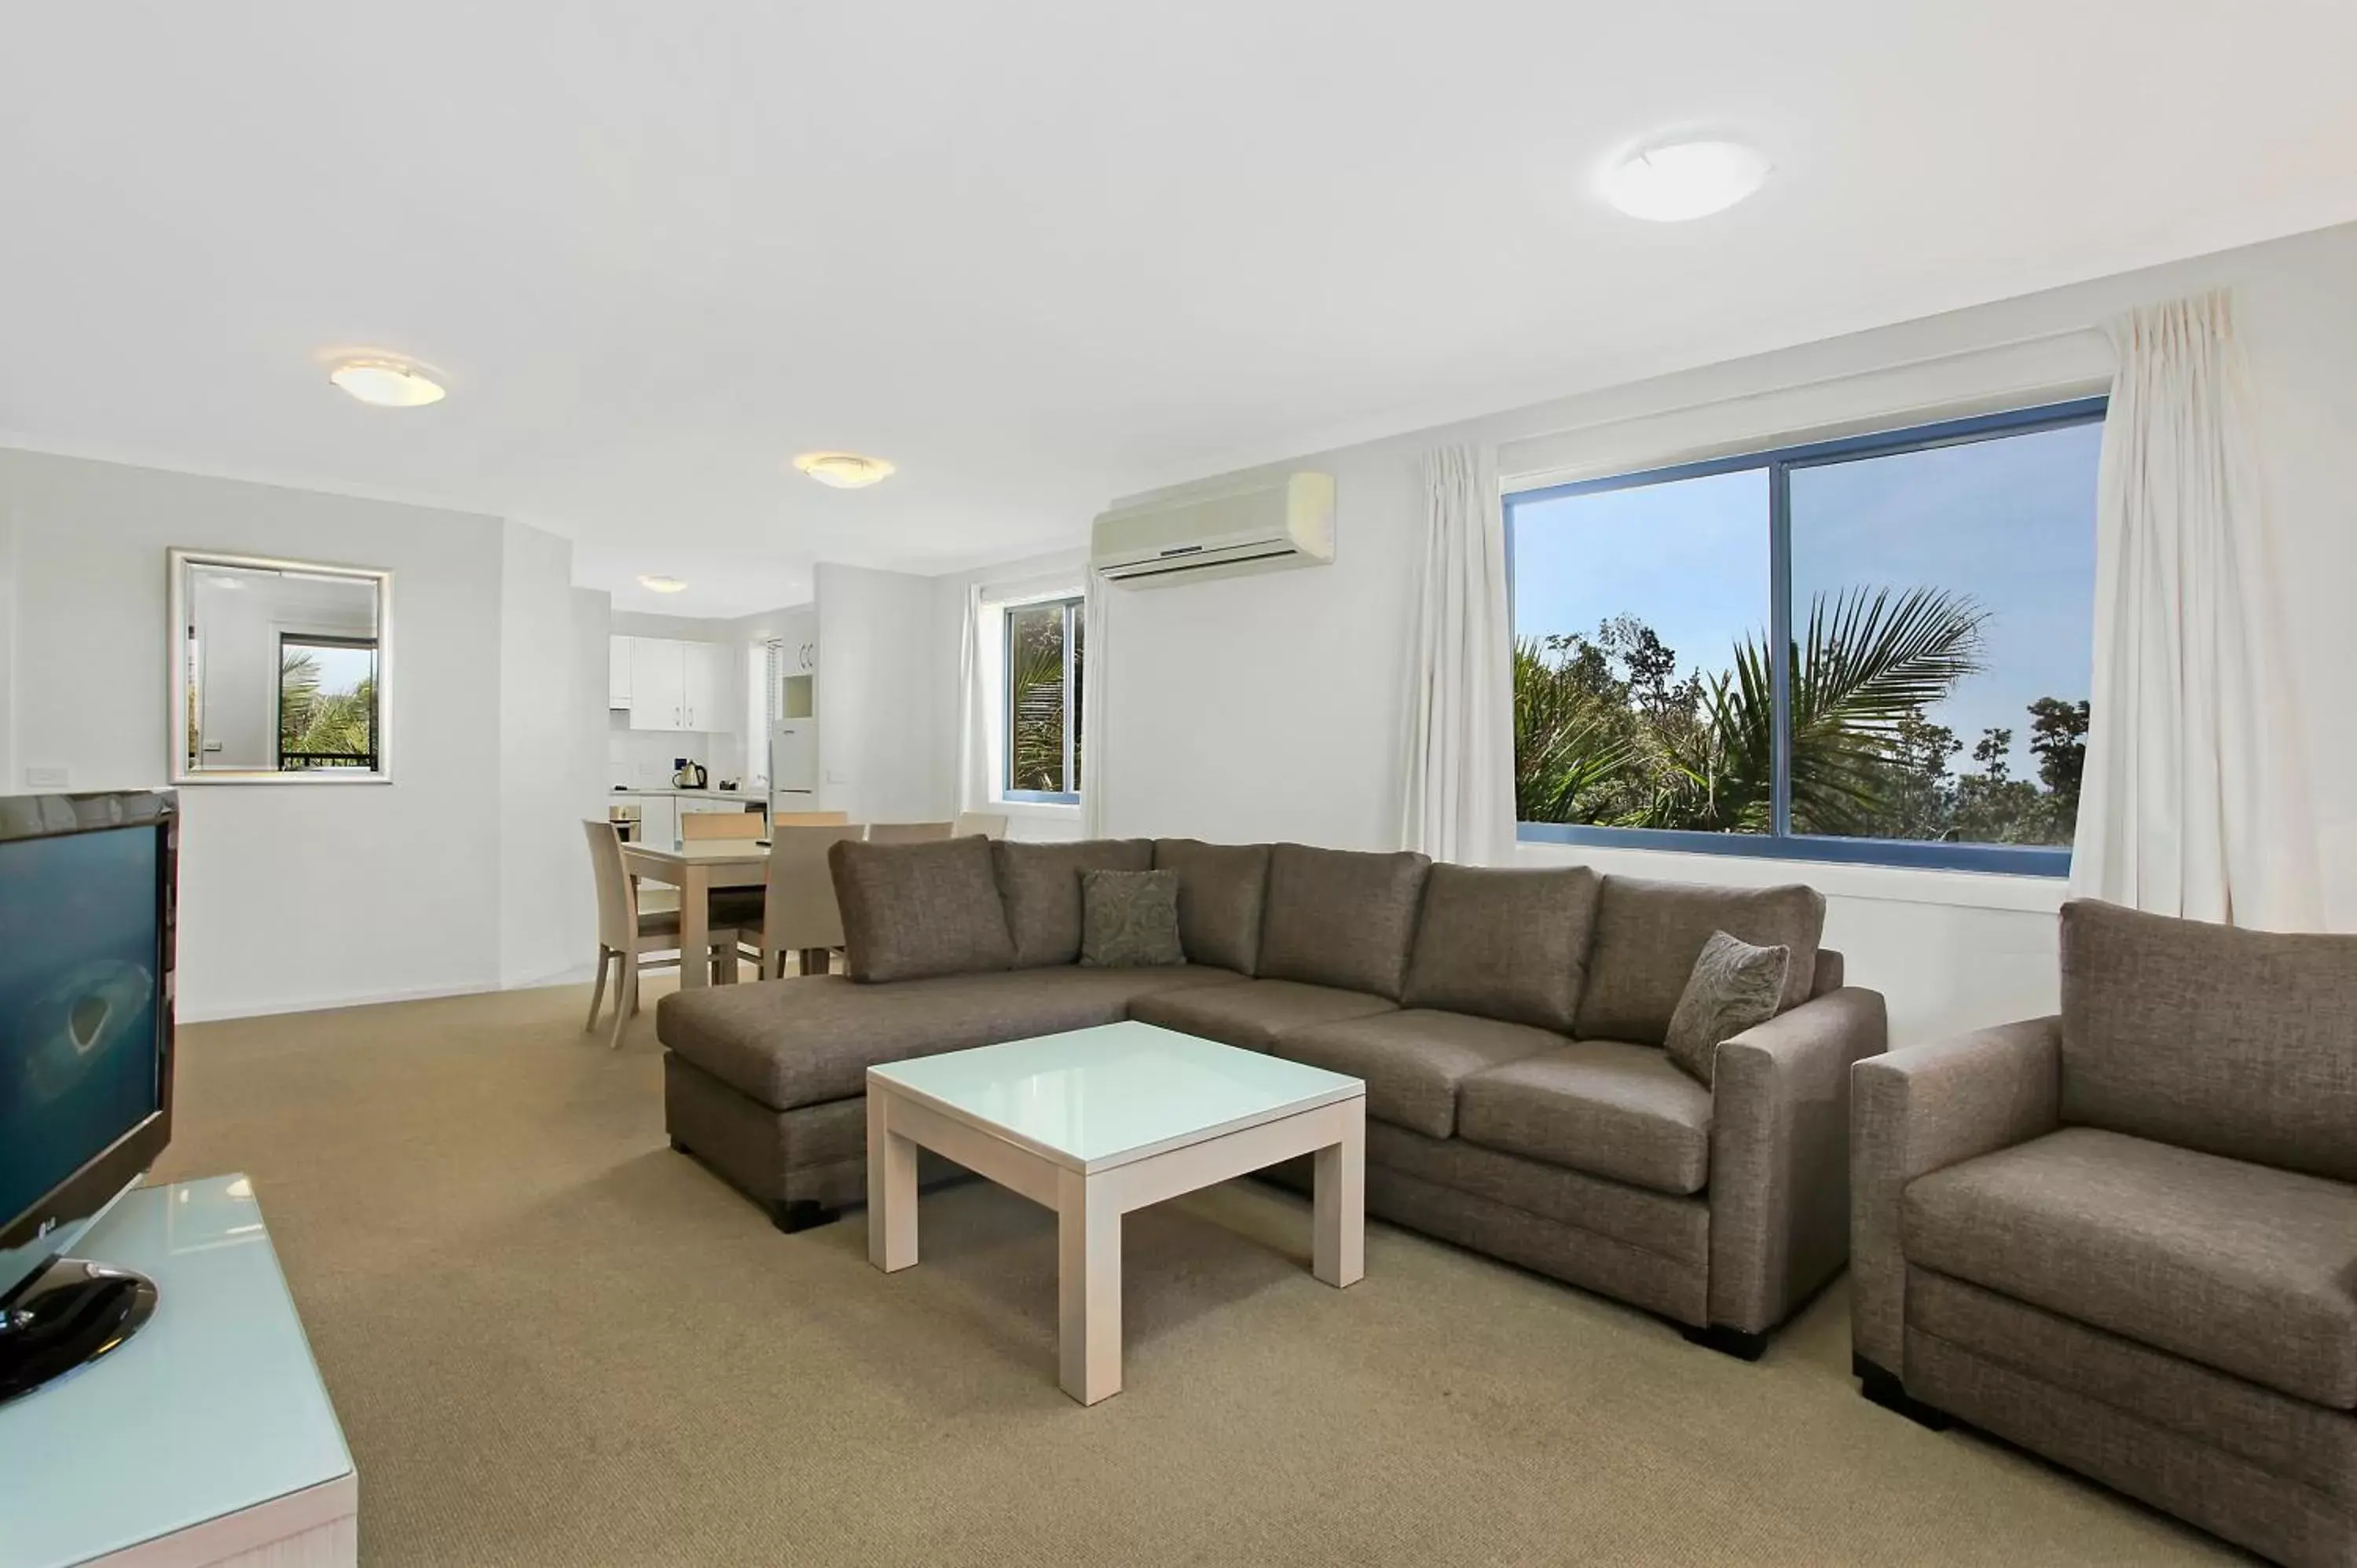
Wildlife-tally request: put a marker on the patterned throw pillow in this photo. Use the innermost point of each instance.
(1129, 919)
(1734, 986)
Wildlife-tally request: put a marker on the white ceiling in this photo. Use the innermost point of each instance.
(1038, 254)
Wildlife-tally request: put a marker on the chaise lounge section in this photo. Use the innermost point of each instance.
(1508, 1024)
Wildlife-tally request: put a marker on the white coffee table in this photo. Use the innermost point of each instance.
(1099, 1121)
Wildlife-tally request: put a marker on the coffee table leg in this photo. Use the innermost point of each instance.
(891, 1190)
(1339, 1248)
(1088, 1289)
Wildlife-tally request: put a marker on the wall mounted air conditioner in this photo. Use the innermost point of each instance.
(1260, 526)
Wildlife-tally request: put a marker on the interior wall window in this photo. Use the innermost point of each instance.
(1933, 590)
(1041, 732)
(327, 703)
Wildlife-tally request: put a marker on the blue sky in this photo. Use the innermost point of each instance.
(2010, 521)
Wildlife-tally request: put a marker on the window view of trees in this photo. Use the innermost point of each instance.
(1044, 646)
(326, 704)
(1606, 733)
(1942, 591)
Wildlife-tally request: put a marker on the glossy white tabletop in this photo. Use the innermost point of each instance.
(214, 1406)
(1093, 1097)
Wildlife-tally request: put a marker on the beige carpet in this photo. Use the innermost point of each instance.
(552, 1340)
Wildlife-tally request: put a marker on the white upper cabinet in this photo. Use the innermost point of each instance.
(658, 684)
(669, 685)
(700, 685)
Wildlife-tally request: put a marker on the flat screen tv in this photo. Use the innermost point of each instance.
(87, 900)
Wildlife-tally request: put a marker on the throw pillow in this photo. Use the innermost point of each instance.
(1734, 986)
(1129, 919)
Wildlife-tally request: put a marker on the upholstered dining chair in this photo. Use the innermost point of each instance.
(908, 832)
(989, 824)
(631, 938)
(799, 913)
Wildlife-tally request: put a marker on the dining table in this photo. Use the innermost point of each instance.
(695, 867)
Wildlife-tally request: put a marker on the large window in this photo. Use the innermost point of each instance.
(1933, 588)
(327, 703)
(1042, 734)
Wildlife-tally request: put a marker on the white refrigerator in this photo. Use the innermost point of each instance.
(794, 767)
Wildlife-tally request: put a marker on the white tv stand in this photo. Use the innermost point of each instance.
(203, 1441)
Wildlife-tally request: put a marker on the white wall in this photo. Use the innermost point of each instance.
(290, 895)
(1273, 706)
(881, 724)
(547, 698)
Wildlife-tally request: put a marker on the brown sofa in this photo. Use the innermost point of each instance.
(2125, 1237)
(1508, 1025)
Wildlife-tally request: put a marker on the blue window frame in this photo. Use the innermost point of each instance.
(1614, 746)
(1040, 702)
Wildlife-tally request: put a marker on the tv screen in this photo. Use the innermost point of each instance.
(80, 959)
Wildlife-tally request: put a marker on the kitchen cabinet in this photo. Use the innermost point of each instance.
(618, 671)
(669, 685)
(700, 685)
(657, 820)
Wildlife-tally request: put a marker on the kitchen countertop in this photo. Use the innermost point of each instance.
(695, 794)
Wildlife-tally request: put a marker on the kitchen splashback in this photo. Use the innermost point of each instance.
(643, 759)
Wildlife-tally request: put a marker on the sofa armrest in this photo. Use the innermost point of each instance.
(1922, 1109)
(1779, 1155)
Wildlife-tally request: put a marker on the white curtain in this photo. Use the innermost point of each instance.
(974, 713)
(2193, 803)
(1460, 801)
(1096, 646)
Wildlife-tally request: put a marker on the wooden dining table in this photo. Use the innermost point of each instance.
(695, 868)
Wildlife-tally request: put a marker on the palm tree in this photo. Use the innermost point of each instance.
(1869, 663)
(1872, 662)
(1037, 700)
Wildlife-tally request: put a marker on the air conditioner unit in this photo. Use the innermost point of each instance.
(1257, 527)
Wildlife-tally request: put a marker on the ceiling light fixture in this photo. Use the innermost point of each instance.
(1676, 181)
(661, 585)
(844, 470)
(386, 384)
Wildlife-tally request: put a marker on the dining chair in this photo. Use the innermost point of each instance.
(908, 832)
(799, 913)
(693, 825)
(808, 819)
(631, 938)
(989, 824)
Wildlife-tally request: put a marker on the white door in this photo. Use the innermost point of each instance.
(700, 686)
(618, 672)
(657, 684)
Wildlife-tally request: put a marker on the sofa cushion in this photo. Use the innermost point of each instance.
(805, 1041)
(2241, 1267)
(1734, 987)
(1606, 1107)
(1648, 935)
(1254, 1014)
(913, 911)
(1221, 888)
(1413, 1061)
(2236, 1042)
(1504, 944)
(1341, 918)
(1040, 884)
(1129, 919)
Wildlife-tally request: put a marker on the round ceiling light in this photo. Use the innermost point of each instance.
(386, 384)
(661, 585)
(844, 470)
(1680, 180)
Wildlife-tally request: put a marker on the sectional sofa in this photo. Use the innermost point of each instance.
(1508, 1025)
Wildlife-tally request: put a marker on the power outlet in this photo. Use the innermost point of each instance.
(48, 778)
